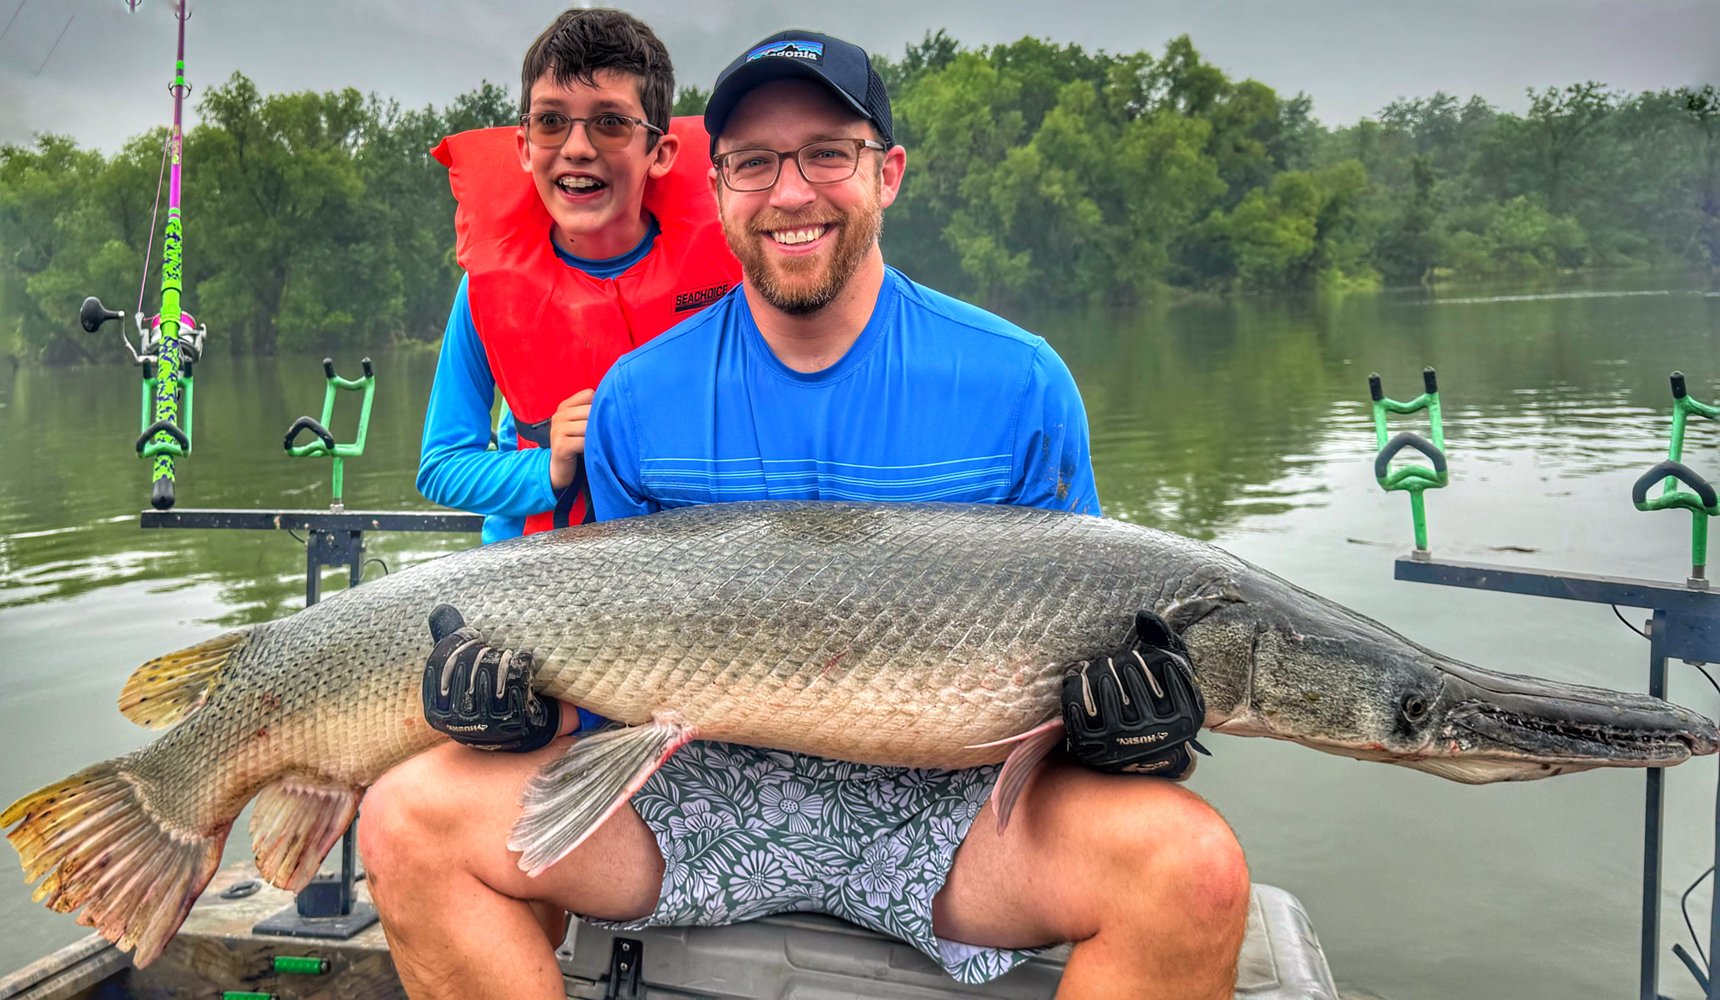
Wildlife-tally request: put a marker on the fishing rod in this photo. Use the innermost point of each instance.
(171, 345)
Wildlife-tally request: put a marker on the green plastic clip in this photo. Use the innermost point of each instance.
(243, 995)
(1413, 479)
(1700, 500)
(301, 965)
(324, 443)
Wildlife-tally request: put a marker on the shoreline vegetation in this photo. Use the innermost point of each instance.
(1041, 174)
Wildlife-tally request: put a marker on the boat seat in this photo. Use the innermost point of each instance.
(802, 956)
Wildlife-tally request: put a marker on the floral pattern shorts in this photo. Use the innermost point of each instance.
(746, 833)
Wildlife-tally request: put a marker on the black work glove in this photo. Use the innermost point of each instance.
(1137, 710)
(480, 695)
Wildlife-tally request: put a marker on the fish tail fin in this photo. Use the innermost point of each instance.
(169, 688)
(294, 825)
(571, 796)
(95, 838)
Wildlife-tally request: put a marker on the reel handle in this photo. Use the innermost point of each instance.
(92, 316)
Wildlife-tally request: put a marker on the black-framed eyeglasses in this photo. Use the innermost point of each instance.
(606, 131)
(827, 161)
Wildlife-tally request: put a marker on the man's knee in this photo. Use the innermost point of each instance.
(1212, 865)
(1160, 842)
(1189, 850)
(401, 822)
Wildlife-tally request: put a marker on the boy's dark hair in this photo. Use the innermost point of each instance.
(584, 40)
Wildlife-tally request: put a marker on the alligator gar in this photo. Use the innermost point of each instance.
(912, 635)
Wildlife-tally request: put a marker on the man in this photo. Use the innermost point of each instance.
(583, 233)
(830, 375)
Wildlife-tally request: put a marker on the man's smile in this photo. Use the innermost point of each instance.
(800, 239)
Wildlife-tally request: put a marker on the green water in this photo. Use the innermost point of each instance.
(1241, 422)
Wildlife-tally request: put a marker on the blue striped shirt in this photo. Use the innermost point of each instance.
(936, 400)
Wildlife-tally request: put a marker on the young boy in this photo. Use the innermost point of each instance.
(584, 232)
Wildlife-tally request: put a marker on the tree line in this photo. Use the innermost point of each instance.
(1039, 173)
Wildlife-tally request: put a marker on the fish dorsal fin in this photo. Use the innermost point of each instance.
(571, 796)
(295, 824)
(169, 688)
(1031, 748)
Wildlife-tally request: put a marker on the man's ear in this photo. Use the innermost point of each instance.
(890, 178)
(716, 190)
(525, 149)
(663, 154)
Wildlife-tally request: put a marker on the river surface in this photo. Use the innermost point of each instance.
(1243, 422)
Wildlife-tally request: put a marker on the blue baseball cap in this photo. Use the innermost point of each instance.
(841, 66)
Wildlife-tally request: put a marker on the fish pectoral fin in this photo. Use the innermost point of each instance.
(1050, 725)
(571, 796)
(296, 822)
(169, 688)
(1030, 750)
(134, 872)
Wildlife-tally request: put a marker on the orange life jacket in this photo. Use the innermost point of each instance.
(550, 330)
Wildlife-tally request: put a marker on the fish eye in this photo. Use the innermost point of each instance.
(1413, 707)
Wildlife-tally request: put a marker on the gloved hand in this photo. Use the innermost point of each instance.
(480, 695)
(1137, 710)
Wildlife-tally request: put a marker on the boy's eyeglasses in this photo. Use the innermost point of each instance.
(827, 161)
(606, 131)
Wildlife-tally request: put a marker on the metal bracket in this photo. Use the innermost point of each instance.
(626, 965)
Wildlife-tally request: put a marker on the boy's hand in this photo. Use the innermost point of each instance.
(567, 437)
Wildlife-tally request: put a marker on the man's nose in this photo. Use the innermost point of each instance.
(792, 189)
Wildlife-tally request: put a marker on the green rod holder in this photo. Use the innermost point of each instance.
(1412, 479)
(1700, 499)
(323, 442)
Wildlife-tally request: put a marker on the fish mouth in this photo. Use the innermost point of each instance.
(1667, 739)
(1504, 728)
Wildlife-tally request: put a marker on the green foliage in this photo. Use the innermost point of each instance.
(1041, 172)
(1038, 172)
(690, 101)
(1702, 113)
(312, 222)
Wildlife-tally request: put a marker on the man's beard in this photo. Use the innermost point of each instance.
(795, 285)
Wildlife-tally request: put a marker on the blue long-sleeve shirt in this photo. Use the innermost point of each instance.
(456, 465)
(936, 400)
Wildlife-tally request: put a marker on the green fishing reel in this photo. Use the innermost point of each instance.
(1700, 499)
(1412, 479)
(168, 398)
(323, 443)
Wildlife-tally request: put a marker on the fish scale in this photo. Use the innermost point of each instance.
(931, 635)
(921, 613)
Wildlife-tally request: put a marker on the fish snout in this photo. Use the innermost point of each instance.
(1541, 720)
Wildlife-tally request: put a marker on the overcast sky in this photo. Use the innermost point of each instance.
(90, 69)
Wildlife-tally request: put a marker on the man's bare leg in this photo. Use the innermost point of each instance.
(461, 919)
(1140, 874)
